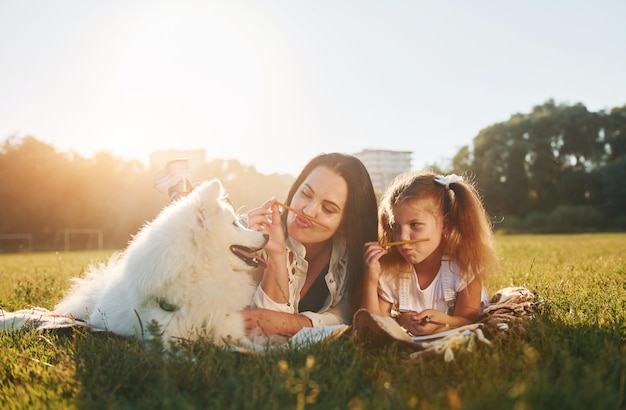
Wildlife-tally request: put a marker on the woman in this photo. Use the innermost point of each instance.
(315, 252)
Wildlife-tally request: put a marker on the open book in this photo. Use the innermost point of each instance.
(441, 334)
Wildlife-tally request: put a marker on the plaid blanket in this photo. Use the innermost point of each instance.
(508, 308)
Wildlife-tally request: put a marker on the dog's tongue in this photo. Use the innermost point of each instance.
(252, 256)
(260, 261)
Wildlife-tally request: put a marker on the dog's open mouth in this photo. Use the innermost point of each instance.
(248, 256)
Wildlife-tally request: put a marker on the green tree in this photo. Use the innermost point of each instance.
(614, 188)
(550, 157)
(615, 133)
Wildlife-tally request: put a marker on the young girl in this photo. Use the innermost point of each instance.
(436, 282)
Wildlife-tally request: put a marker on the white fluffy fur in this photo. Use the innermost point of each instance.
(182, 260)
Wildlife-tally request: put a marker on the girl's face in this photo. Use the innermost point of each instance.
(322, 195)
(415, 219)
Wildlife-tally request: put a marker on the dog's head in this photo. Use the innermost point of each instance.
(216, 215)
(193, 262)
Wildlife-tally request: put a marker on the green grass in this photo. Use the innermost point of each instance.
(572, 356)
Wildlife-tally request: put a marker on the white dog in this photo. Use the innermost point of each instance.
(189, 270)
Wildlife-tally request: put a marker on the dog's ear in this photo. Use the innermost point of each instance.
(210, 190)
(210, 193)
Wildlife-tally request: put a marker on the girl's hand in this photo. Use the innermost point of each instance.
(371, 256)
(424, 323)
(266, 219)
(369, 291)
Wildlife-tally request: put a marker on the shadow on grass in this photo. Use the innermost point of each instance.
(549, 365)
(123, 373)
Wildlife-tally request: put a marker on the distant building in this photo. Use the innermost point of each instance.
(196, 157)
(383, 165)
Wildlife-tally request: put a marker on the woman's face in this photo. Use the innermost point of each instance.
(322, 195)
(416, 219)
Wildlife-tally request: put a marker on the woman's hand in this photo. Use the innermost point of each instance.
(260, 322)
(266, 219)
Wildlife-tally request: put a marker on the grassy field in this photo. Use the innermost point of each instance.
(572, 356)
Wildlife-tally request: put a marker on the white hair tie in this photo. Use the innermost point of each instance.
(448, 179)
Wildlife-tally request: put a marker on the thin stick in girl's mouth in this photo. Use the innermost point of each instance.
(404, 242)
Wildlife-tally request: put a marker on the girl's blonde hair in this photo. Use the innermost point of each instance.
(470, 241)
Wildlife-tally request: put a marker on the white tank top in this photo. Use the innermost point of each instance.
(404, 293)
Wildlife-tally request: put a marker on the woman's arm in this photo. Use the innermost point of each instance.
(272, 322)
(275, 279)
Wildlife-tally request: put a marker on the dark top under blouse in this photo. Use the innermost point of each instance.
(313, 300)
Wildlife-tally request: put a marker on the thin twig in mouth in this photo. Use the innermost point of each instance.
(310, 218)
(404, 242)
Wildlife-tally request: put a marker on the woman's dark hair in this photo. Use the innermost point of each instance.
(360, 219)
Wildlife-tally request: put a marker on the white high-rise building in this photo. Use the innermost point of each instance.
(384, 165)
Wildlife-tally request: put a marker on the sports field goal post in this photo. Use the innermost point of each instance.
(22, 242)
(89, 232)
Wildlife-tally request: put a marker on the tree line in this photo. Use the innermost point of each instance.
(45, 192)
(559, 168)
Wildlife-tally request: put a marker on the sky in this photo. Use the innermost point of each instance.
(274, 83)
